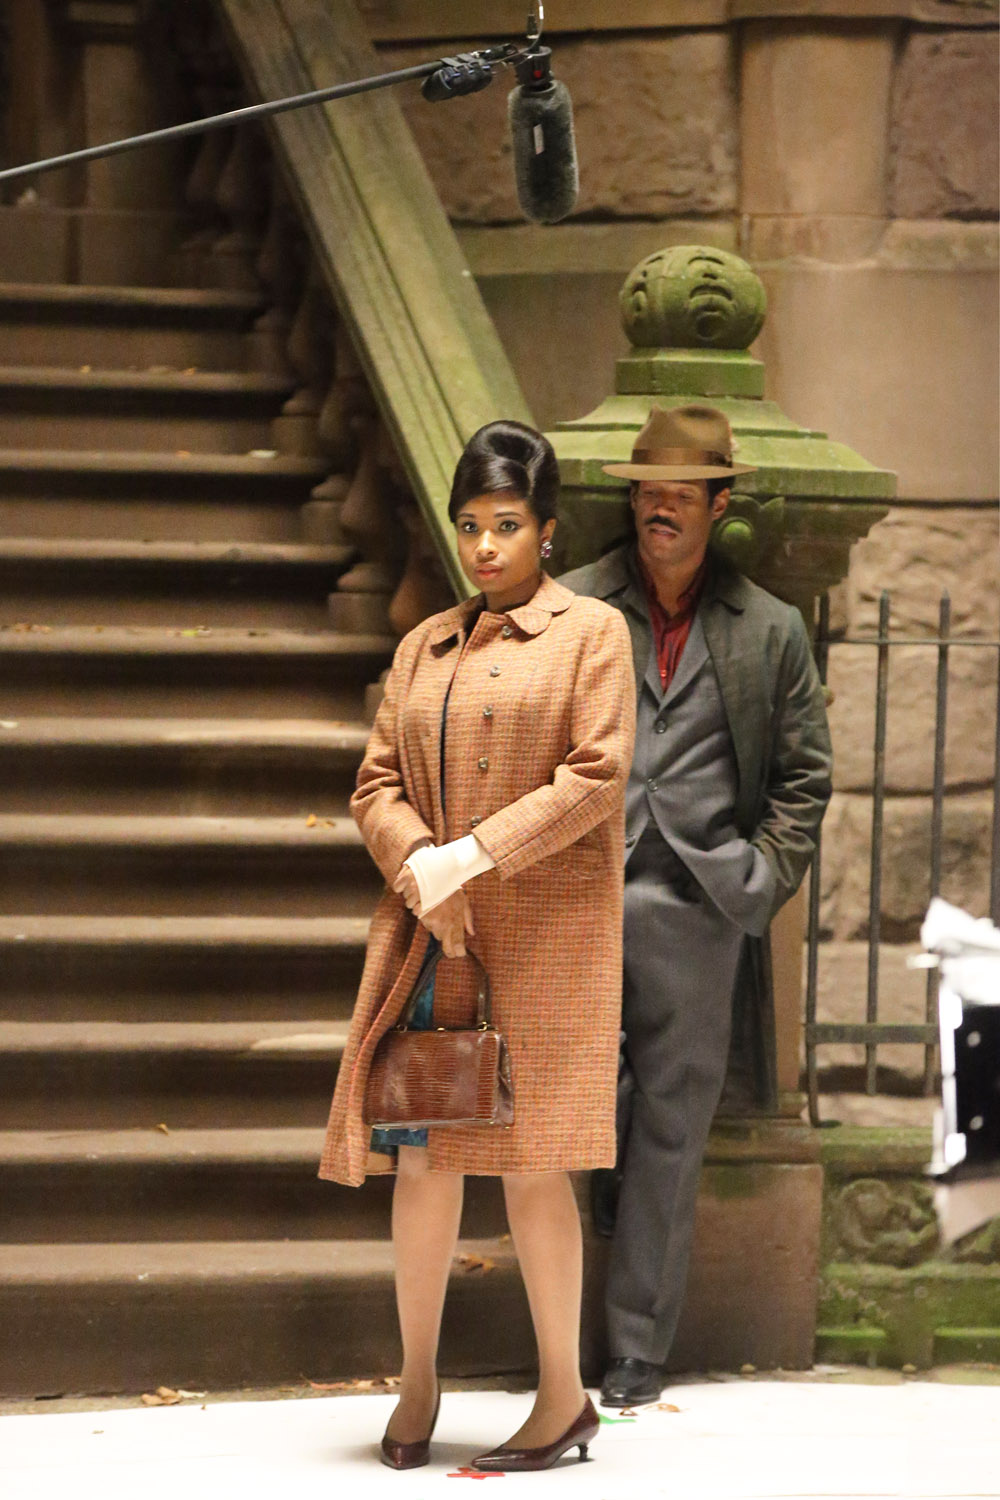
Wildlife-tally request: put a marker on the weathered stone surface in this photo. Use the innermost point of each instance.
(883, 1223)
(692, 297)
(535, 315)
(897, 361)
(969, 751)
(405, 20)
(944, 127)
(590, 249)
(655, 124)
(920, 553)
(814, 98)
(906, 861)
(758, 1307)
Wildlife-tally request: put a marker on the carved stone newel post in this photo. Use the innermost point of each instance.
(690, 314)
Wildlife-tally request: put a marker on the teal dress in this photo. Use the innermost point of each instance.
(389, 1138)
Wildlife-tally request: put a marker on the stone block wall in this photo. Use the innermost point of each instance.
(852, 158)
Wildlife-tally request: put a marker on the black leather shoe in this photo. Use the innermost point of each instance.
(605, 1183)
(631, 1382)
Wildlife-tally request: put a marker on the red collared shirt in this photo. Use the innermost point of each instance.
(670, 632)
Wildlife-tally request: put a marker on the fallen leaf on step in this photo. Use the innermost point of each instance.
(474, 1265)
(191, 1395)
(162, 1396)
(85, 369)
(312, 820)
(665, 1406)
(191, 370)
(182, 453)
(371, 1383)
(163, 1129)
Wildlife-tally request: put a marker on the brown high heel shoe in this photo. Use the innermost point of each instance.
(409, 1455)
(580, 1434)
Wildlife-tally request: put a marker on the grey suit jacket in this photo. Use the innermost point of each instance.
(777, 718)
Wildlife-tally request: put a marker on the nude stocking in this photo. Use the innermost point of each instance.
(545, 1227)
(426, 1210)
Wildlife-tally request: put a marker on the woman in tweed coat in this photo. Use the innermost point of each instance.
(491, 797)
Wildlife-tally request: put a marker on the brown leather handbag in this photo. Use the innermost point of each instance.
(441, 1077)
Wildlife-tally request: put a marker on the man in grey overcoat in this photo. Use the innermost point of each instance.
(730, 781)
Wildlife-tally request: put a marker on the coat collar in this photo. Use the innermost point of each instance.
(550, 598)
(617, 574)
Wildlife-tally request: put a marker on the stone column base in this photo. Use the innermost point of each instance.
(754, 1278)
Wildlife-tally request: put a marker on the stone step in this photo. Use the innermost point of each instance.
(115, 987)
(86, 1075)
(289, 767)
(178, 967)
(208, 412)
(224, 497)
(107, 580)
(74, 1185)
(161, 671)
(126, 327)
(222, 1315)
(123, 865)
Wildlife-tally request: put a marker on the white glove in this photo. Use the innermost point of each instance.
(439, 872)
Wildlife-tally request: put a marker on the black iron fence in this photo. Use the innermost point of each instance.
(875, 1031)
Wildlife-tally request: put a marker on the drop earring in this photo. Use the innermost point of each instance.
(546, 550)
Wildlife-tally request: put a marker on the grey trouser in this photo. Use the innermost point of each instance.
(681, 957)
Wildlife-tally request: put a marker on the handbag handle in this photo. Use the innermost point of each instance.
(484, 998)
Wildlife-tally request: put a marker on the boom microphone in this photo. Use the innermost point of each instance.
(541, 127)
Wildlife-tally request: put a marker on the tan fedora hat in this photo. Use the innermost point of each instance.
(686, 442)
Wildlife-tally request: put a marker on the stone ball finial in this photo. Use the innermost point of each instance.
(692, 297)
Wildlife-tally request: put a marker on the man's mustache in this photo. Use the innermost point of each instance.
(661, 520)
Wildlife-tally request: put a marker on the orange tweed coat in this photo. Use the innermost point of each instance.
(538, 744)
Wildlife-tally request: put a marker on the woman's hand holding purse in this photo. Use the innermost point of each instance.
(449, 921)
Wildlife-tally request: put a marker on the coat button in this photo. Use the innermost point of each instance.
(652, 785)
(506, 632)
(484, 762)
(475, 822)
(488, 711)
(494, 671)
(661, 728)
(629, 840)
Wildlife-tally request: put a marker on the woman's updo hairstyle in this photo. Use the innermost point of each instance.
(508, 457)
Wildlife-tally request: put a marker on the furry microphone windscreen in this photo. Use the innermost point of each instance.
(545, 168)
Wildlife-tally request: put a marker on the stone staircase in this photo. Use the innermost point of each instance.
(183, 896)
